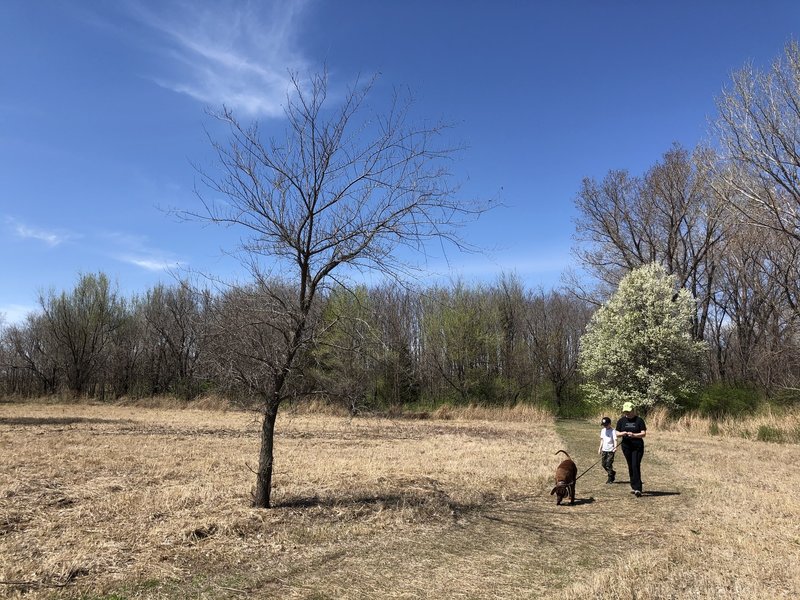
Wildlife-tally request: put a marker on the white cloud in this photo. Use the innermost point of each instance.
(229, 52)
(136, 250)
(50, 237)
(152, 264)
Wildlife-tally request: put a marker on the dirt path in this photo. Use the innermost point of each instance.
(525, 548)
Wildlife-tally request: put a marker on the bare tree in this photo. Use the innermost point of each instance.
(397, 315)
(81, 325)
(175, 318)
(555, 323)
(33, 350)
(509, 296)
(670, 215)
(337, 195)
(759, 130)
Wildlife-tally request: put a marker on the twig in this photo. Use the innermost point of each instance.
(231, 589)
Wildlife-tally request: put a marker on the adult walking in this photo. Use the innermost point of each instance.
(631, 429)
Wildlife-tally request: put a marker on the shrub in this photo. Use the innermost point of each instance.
(726, 400)
(786, 397)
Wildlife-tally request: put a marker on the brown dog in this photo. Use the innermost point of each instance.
(566, 473)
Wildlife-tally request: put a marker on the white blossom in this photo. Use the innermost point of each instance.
(638, 347)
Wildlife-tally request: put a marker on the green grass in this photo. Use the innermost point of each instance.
(767, 433)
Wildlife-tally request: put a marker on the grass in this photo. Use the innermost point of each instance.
(767, 425)
(737, 535)
(131, 502)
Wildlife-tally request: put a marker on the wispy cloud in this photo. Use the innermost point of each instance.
(228, 52)
(50, 237)
(152, 264)
(136, 250)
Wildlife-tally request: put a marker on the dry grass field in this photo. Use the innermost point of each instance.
(114, 502)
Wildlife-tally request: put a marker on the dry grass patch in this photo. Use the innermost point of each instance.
(146, 503)
(737, 536)
(518, 413)
(768, 425)
(119, 498)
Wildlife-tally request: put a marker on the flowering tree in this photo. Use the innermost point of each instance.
(638, 347)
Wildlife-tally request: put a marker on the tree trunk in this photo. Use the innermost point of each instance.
(264, 475)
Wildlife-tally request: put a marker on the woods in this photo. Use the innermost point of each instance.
(375, 348)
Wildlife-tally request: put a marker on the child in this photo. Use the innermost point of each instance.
(608, 445)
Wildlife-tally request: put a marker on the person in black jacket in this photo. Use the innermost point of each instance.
(631, 429)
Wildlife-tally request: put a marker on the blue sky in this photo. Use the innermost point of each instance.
(103, 113)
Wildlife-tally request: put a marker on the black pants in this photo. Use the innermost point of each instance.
(633, 455)
(607, 459)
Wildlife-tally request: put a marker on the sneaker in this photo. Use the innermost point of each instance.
(633, 491)
(637, 493)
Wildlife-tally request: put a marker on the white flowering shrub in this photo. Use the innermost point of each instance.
(638, 347)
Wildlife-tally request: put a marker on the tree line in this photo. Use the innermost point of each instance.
(374, 347)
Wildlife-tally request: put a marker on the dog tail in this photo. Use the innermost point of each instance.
(565, 453)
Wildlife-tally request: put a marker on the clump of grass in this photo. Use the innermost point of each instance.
(768, 433)
(658, 417)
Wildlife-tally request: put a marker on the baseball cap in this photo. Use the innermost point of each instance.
(627, 407)
(605, 421)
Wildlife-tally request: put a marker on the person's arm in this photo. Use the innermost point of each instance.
(643, 431)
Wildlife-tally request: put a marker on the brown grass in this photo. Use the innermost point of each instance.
(768, 424)
(519, 413)
(103, 497)
(155, 503)
(738, 537)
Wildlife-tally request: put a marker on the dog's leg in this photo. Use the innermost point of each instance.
(572, 493)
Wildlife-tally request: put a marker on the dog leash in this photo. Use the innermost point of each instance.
(598, 462)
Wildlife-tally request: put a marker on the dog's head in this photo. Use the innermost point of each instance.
(561, 489)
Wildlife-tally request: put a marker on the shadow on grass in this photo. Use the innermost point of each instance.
(656, 494)
(581, 501)
(432, 499)
(60, 421)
